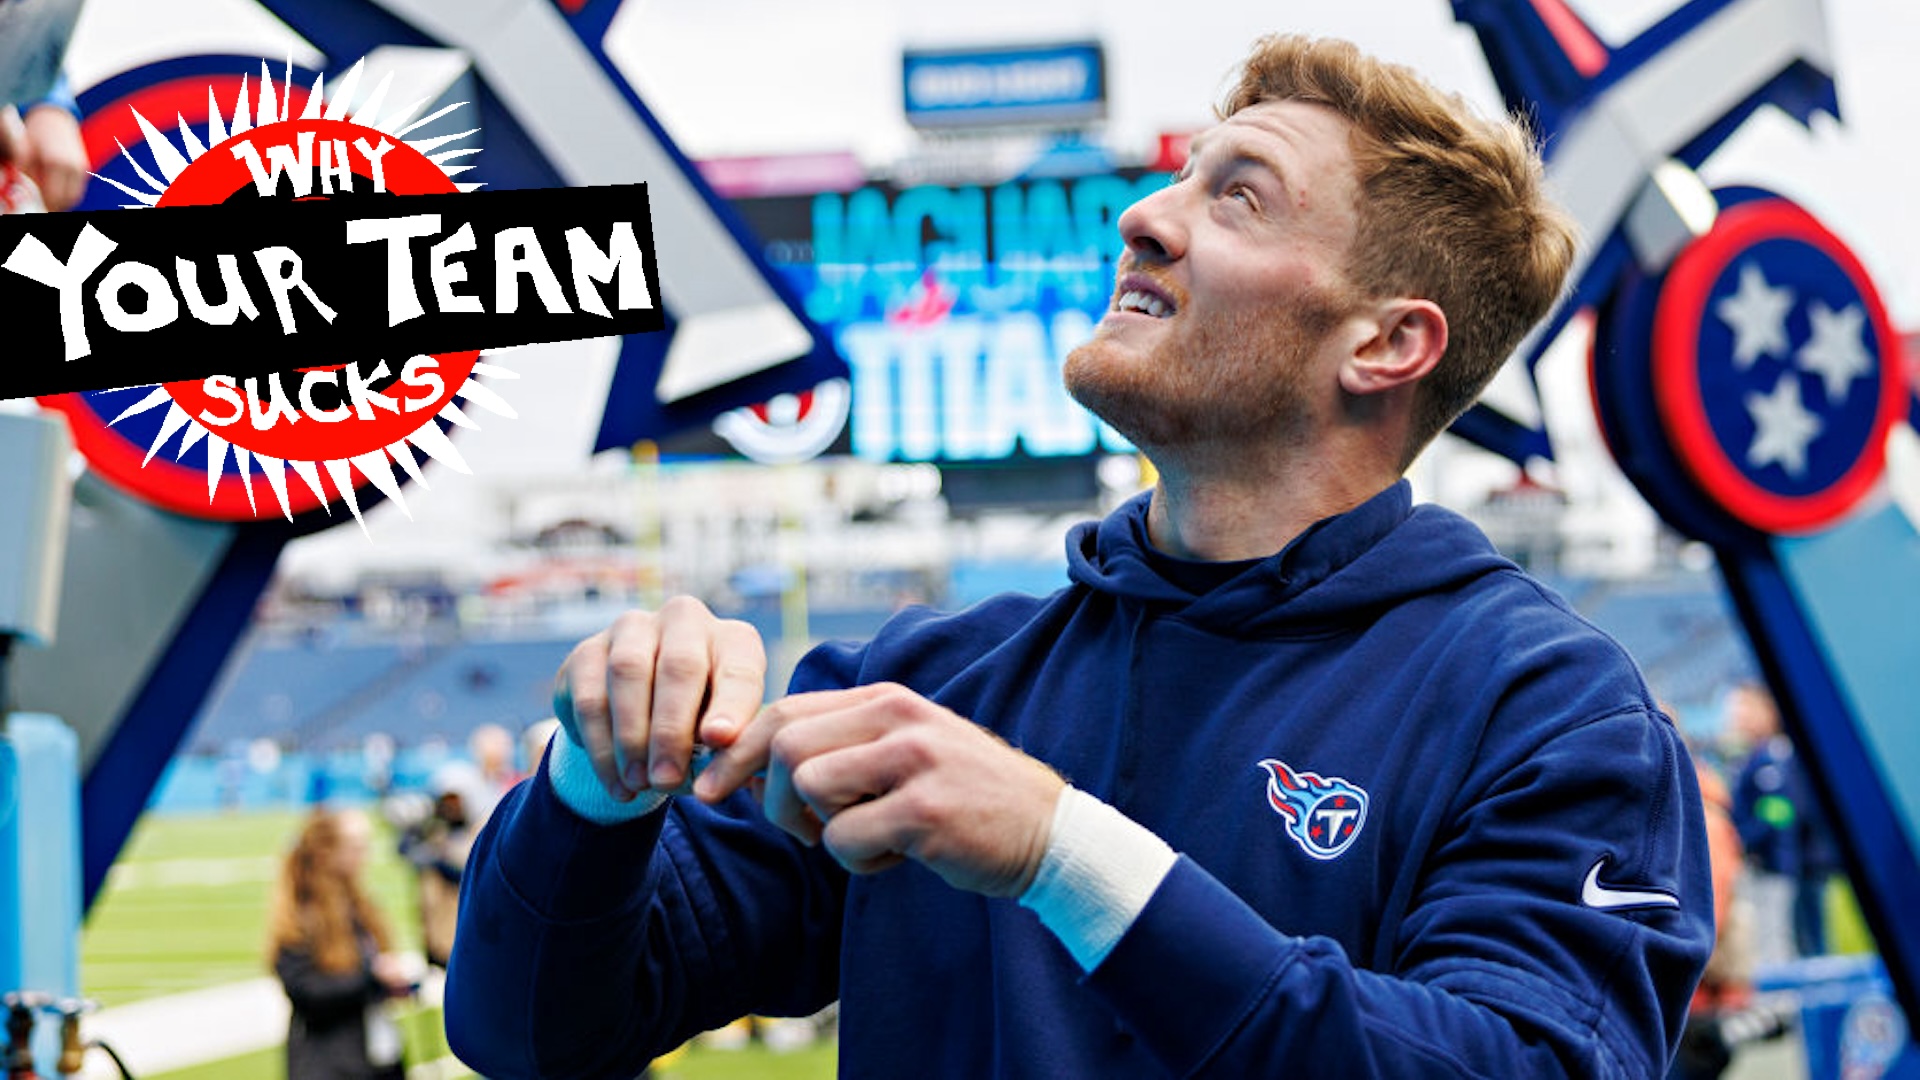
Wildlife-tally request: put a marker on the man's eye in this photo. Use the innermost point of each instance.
(1243, 193)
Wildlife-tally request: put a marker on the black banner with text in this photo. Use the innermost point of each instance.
(255, 286)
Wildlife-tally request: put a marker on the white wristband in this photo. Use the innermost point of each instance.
(1100, 869)
(571, 771)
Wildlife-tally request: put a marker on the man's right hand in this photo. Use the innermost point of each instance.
(638, 695)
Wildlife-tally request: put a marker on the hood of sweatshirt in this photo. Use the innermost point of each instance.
(1340, 569)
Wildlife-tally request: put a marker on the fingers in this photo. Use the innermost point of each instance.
(580, 702)
(739, 682)
(751, 750)
(869, 837)
(931, 787)
(633, 647)
(831, 750)
(636, 695)
(832, 781)
(784, 807)
(879, 774)
(807, 795)
(679, 674)
(708, 677)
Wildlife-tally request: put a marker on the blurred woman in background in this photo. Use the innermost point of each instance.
(329, 947)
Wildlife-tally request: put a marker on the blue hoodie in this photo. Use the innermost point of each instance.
(1430, 823)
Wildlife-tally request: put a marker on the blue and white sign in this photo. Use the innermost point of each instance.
(1046, 84)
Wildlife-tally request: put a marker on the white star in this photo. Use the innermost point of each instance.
(1757, 315)
(1835, 352)
(1781, 427)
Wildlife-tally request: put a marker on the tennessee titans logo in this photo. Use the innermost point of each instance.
(1323, 814)
(1771, 372)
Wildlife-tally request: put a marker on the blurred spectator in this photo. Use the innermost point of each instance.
(492, 748)
(329, 946)
(18, 193)
(230, 774)
(51, 151)
(33, 39)
(534, 739)
(1789, 849)
(376, 758)
(1727, 987)
(437, 846)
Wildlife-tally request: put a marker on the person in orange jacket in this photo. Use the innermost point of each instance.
(1727, 986)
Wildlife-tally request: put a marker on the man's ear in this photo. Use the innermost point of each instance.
(1410, 337)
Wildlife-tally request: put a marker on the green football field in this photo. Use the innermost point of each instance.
(186, 905)
(185, 908)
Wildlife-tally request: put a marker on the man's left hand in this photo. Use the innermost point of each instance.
(880, 774)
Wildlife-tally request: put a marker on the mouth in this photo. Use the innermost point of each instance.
(1139, 294)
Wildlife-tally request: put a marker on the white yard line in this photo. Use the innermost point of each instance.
(177, 1031)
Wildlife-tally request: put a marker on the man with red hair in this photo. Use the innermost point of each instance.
(1293, 777)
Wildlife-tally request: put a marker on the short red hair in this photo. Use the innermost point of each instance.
(1453, 207)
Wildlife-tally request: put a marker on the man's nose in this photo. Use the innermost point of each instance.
(1151, 228)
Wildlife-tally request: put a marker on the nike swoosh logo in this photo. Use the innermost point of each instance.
(1605, 898)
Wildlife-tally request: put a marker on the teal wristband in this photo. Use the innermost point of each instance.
(570, 770)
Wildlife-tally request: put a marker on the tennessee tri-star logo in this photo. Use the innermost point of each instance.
(1769, 358)
(1323, 814)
